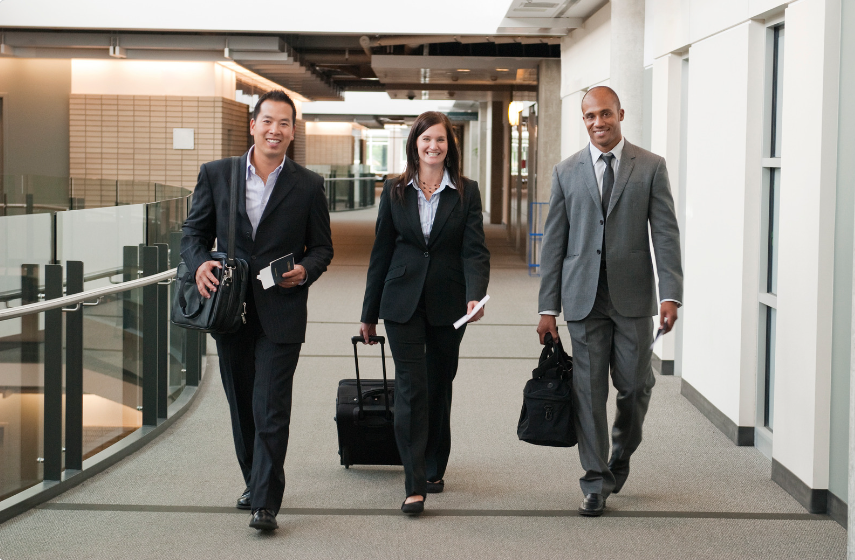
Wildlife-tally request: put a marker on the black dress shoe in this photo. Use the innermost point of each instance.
(413, 508)
(620, 469)
(593, 505)
(263, 520)
(435, 487)
(244, 502)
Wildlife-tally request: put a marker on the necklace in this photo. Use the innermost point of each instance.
(429, 189)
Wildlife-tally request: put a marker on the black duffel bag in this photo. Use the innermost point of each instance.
(547, 416)
(224, 311)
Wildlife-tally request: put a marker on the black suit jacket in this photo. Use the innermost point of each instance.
(452, 269)
(296, 220)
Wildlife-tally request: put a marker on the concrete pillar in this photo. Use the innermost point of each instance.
(497, 161)
(548, 126)
(626, 69)
(845, 176)
(483, 153)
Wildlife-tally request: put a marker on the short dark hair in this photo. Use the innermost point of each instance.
(279, 96)
(608, 89)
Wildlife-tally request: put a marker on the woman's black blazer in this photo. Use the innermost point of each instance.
(452, 268)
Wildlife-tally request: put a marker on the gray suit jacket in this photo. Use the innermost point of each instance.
(573, 237)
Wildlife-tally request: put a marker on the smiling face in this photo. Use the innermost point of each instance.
(602, 115)
(273, 130)
(432, 145)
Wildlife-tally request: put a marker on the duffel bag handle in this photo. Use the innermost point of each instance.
(183, 301)
(551, 348)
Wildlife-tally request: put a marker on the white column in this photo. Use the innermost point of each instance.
(665, 141)
(626, 70)
(806, 253)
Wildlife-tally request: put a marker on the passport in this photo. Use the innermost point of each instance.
(272, 275)
(280, 266)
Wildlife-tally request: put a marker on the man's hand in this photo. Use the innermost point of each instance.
(667, 316)
(206, 279)
(478, 315)
(366, 330)
(293, 278)
(547, 325)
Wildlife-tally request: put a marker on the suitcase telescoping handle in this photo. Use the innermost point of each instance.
(382, 341)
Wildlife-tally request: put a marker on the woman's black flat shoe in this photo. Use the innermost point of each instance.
(413, 508)
(435, 487)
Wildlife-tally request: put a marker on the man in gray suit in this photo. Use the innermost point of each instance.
(596, 262)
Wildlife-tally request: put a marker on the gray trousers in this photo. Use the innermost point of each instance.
(602, 339)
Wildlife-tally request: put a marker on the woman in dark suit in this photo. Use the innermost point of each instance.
(429, 267)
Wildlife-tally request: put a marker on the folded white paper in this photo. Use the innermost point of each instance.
(459, 323)
(266, 277)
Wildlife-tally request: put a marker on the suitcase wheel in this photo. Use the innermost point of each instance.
(345, 457)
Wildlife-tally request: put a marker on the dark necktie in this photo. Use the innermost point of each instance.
(608, 181)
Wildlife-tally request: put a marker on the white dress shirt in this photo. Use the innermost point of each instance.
(427, 208)
(599, 170)
(600, 164)
(257, 191)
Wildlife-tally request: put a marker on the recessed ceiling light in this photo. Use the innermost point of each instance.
(462, 70)
(502, 69)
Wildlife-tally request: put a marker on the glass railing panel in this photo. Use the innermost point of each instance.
(25, 247)
(112, 370)
(93, 193)
(165, 221)
(98, 237)
(33, 194)
(21, 406)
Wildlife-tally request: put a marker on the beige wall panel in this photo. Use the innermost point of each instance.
(130, 138)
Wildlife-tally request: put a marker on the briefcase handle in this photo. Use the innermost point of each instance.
(382, 341)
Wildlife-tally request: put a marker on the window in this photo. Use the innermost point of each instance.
(770, 219)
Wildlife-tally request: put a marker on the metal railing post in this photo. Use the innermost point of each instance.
(149, 339)
(29, 323)
(162, 333)
(130, 327)
(74, 370)
(53, 377)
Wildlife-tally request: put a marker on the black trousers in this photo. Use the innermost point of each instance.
(258, 377)
(425, 365)
(605, 342)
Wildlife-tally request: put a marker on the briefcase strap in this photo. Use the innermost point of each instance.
(233, 200)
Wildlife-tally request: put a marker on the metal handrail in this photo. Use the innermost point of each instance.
(47, 305)
(373, 179)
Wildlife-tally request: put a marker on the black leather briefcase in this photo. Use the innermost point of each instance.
(547, 416)
(225, 310)
(365, 417)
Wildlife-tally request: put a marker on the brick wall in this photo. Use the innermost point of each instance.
(129, 137)
(322, 149)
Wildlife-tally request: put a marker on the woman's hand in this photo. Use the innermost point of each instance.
(478, 315)
(366, 330)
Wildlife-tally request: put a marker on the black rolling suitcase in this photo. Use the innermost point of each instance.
(364, 416)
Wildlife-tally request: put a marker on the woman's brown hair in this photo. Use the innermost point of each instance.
(452, 156)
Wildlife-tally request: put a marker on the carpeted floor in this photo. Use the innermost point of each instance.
(691, 493)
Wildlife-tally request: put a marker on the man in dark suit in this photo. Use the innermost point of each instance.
(596, 262)
(282, 209)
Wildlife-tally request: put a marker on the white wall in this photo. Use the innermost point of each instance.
(673, 25)
(151, 77)
(806, 254)
(722, 219)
